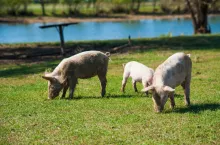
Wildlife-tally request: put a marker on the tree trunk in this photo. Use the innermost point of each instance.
(154, 5)
(138, 5)
(54, 8)
(43, 7)
(25, 7)
(75, 9)
(199, 16)
(70, 9)
(132, 6)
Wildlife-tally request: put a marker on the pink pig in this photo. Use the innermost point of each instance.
(175, 71)
(139, 73)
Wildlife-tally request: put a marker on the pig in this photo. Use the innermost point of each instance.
(139, 73)
(175, 71)
(80, 66)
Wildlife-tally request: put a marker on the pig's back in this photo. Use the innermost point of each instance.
(174, 70)
(138, 70)
(87, 64)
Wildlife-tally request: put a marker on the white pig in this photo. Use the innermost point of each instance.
(139, 73)
(175, 71)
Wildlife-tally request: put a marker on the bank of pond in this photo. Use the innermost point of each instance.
(146, 28)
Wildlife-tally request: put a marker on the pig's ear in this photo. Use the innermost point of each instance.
(49, 78)
(147, 89)
(168, 89)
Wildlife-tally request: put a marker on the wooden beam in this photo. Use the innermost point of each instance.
(55, 25)
(60, 30)
(61, 39)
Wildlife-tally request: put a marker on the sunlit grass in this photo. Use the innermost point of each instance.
(27, 117)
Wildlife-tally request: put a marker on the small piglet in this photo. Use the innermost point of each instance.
(175, 71)
(83, 65)
(139, 73)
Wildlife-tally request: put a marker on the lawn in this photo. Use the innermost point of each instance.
(27, 117)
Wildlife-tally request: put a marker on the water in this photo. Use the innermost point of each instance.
(19, 33)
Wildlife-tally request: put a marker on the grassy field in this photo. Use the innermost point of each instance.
(27, 117)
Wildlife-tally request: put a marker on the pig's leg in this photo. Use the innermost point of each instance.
(134, 85)
(72, 85)
(66, 86)
(103, 82)
(186, 87)
(145, 85)
(172, 101)
(124, 81)
(163, 102)
(157, 104)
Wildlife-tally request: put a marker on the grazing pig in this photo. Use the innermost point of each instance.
(83, 65)
(139, 73)
(175, 71)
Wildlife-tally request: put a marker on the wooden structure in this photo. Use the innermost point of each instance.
(60, 28)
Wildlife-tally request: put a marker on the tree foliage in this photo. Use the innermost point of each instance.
(16, 7)
(13, 6)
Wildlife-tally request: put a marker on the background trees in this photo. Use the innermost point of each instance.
(72, 6)
(15, 7)
(88, 7)
(198, 9)
(42, 2)
(199, 13)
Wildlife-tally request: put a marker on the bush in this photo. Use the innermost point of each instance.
(25, 13)
(173, 7)
(119, 9)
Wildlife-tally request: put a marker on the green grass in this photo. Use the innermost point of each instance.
(27, 117)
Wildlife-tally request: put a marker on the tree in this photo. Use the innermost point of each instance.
(97, 5)
(132, 5)
(25, 5)
(199, 14)
(173, 6)
(138, 5)
(123, 6)
(154, 5)
(54, 2)
(72, 4)
(13, 6)
(76, 5)
(3, 5)
(42, 2)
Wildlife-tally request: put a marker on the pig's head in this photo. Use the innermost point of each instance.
(160, 95)
(54, 86)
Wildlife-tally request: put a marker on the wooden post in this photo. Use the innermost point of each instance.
(61, 39)
(60, 30)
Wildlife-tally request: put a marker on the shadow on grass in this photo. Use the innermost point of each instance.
(197, 108)
(179, 96)
(203, 42)
(99, 97)
(25, 70)
(119, 96)
(195, 42)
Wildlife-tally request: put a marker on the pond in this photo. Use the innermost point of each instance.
(20, 33)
